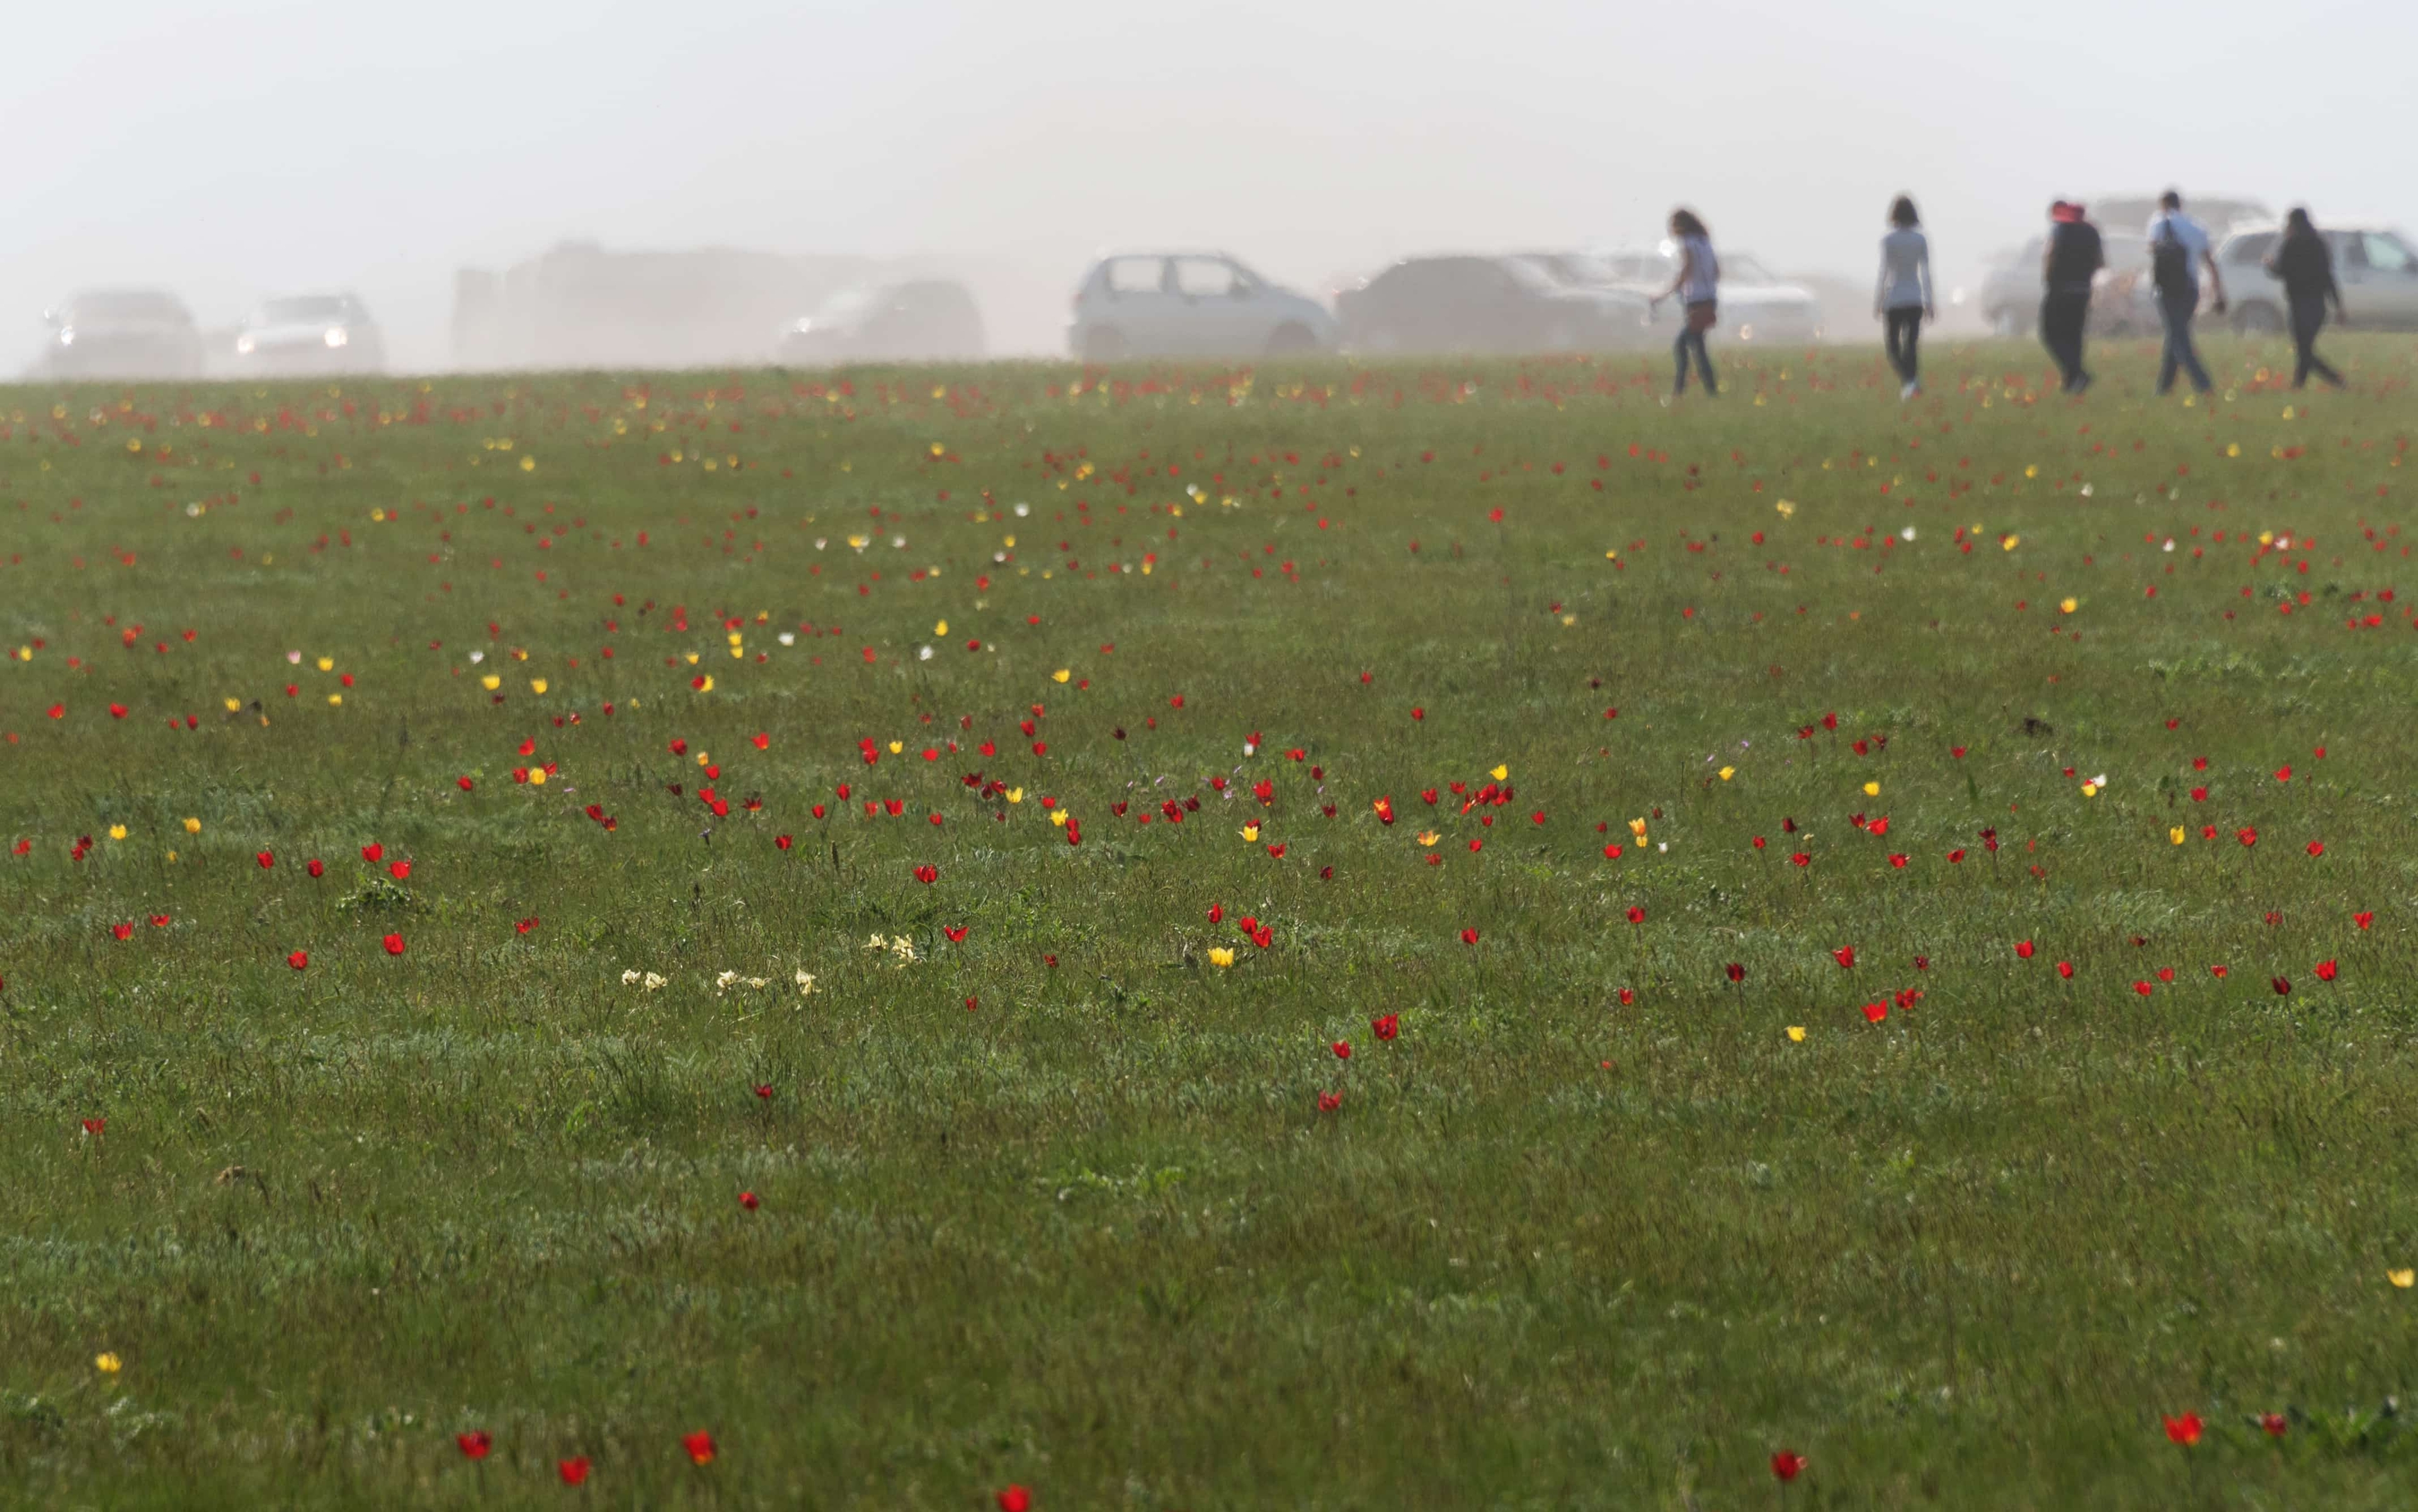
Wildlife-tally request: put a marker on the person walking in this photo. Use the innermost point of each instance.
(2304, 264)
(1697, 285)
(2071, 258)
(1903, 297)
(2179, 249)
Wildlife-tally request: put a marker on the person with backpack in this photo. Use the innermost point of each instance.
(2304, 264)
(1697, 285)
(2179, 248)
(2068, 262)
(1903, 297)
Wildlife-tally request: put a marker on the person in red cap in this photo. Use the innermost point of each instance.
(2071, 259)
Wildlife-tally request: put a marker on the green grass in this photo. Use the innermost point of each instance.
(1056, 1204)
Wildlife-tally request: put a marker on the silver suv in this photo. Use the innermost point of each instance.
(2374, 264)
(1190, 304)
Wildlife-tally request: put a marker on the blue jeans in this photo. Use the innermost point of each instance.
(2177, 310)
(1692, 339)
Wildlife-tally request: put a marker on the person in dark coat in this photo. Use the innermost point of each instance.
(2304, 264)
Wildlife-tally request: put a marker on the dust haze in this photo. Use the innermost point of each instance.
(539, 183)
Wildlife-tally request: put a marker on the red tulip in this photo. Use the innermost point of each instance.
(1846, 957)
(266, 860)
(475, 1445)
(1016, 1498)
(700, 1444)
(1344, 1049)
(1785, 1465)
(2325, 971)
(929, 874)
(298, 959)
(1328, 1102)
(574, 1472)
(1875, 1012)
(393, 944)
(1468, 936)
(2065, 970)
(316, 867)
(2184, 1430)
(372, 853)
(1636, 914)
(747, 1200)
(2023, 950)
(1387, 1027)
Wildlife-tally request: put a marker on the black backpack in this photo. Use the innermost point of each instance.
(2170, 269)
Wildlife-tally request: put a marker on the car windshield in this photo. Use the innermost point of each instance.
(1531, 273)
(304, 309)
(846, 305)
(1581, 269)
(127, 304)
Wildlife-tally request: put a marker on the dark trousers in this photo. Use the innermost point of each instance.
(1692, 339)
(1902, 334)
(2177, 310)
(2308, 318)
(2062, 315)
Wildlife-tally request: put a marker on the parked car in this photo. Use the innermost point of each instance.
(2124, 301)
(1487, 304)
(310, 333)
(121, 334)
(2010, 289)
(920, 320)
(1190, 304)
(2375, 266)
(1756, 304)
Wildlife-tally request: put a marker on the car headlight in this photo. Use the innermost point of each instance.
(337, 336)
(244, 343)
(66, 335)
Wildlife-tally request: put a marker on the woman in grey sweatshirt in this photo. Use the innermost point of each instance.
(1902, 299)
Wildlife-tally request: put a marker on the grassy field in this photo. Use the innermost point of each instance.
(1809, 889)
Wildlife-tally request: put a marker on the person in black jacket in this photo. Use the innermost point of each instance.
(2304, 264)
(2070, 261)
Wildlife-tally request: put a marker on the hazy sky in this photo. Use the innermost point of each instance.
(240, 148)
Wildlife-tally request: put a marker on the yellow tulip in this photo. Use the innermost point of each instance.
(1060, 674)
(193, 826)
(108, 1363)
(1872, 790)
(1016, 795)
(1500, 772)
(335, 700)
(2176, 835)
(1727, 772)
(1220, 956)
(232, 704)
(2067, 605)
(1250, 831)
(941, 627)
(327, 663)
(537, 776)
(896, 746)
(536, 684)
(1797, 1034)
(1058, 817)
(117, 831)
(2402, 1278)
(490, 682)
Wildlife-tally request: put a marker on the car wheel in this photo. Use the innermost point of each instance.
(1104, 344)
(1292, 339)
(2258, 319)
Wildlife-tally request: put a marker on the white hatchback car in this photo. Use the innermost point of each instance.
(1190, 304)
(1756, 305)
(2375, 266)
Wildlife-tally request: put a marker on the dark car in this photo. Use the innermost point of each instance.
(122, 333)
(310, 333)
(1487, 304)
(923, 320)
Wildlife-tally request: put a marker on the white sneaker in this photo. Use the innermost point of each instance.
(1908, 390)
